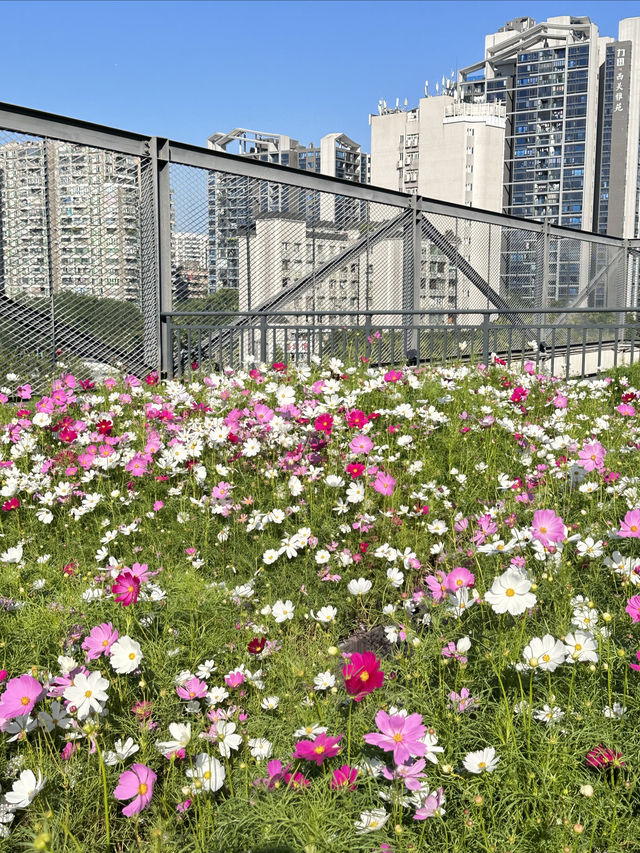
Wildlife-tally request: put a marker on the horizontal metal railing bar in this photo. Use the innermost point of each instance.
(372, 312)
(42, 123)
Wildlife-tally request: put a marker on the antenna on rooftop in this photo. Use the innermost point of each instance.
(426, 88)
(405, 102)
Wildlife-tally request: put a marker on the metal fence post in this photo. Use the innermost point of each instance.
(411, 277)
(161, 165)
(486, 318)
(263, 338)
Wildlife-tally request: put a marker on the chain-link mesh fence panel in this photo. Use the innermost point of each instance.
(70, 256)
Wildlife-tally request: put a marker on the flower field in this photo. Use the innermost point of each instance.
(325, 608)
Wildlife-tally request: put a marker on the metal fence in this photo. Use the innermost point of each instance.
(140, 252)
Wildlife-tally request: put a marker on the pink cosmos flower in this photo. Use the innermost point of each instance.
(137, 466)
(193, 688)
(140, 571)
(560, 401)
(400, 735)
(318, 750)
(630, 527)
(591, 457)
(437, 585)
(548, 527)
(463, 701)
(636, 666)
(626, 409)
(263, 414)
(357, 418)
(361, 444)
(384, 483)
(99, 640)
(362, 675)
(458, 578)
(235, 678)
(126, 588)
(69, 749)
(431, 805)
(138, 783)
(411, 774)
(19, 697)
(633, 608)
(344, 778)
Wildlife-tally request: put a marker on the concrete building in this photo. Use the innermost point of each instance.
(236, 202)
(87, 201)
(451, 151)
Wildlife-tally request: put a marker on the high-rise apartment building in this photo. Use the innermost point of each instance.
(572, 100)
(69, 220)
(235, 202)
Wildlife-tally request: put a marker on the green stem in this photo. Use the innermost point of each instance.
(349, 733)
(105, 795)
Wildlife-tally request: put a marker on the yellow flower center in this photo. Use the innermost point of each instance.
(510, 592)
(364, 676)
(130, 589)
(318, 750)
(543, 530)
(105, 643)
(132, 656)
(459, 582)
(578, 647)
(482, 765)
(142, 788)
(25, 700)
(87, 693)
(546, 658)
(398, 737)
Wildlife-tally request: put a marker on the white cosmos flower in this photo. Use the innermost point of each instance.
(181, 734)
(326, 614)
(617, 712)
(395, 577)
(207, 774)
(437, 526)
(260, 747)
(544, 653)
(215, 696)
(227, 738)
(24, 790)
(270, 703)
(311, 731)
(322, 557)
(581, 646)
(282, 610)
(371, 821)
(12, 555)
(334, 482)
(125, 655)
(324, 681)
(510, 593)
(87, 693)
(269, 556)
(56, 717)
(589, 548)
(548, 714)
(482, 761)
(251, 447)
(355, 492)
(121, 751)
(359, 587)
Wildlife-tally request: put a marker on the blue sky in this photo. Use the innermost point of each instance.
(187, 69)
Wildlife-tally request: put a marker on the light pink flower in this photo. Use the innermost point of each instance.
(99, 640)
(193, 688)
(458, 578)
(431, 805)
(630, 527)
(384, 483)
(19, 697)
(400, 735)
(591, 457)
(548, 527)
(361, 444)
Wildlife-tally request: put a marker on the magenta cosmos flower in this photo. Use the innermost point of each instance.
(459, 578)
(19, 697)
(362, 674)
(99, 640)
(633, 608)
(318, 750)
(636, 666)
(137, 783)
(548, 527)
(400, 735)
(630, 527)
(344, 778)
(126, 588)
